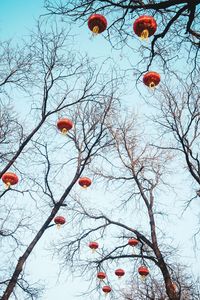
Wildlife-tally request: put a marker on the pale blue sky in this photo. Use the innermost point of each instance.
(16, 17)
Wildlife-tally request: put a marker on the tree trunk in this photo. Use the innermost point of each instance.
(23, 258)
(169, 286)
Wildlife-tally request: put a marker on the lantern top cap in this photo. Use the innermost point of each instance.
(93, 244)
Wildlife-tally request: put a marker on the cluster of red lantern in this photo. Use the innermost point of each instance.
(144, 27)
(101, 276)
(64, 125)
(10, 179)
(142, 270)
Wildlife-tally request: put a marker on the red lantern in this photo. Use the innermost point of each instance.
(145, 26)
(151, 79)
(143, 271)
(119, 272)
(10, 179)
(59, 220)
(97, 23)
(106, 289)
(93, 246)
(133, 242)
(101, 275)
(85, 182)
(64, 125)
(174, 286)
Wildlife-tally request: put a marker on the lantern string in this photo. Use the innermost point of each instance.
(84, 187)
(143, 277)
(58, 226)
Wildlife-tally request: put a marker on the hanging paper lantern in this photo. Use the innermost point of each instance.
(97, 23)
(106, 289)
(10, 179)
(145, 26)
(85, 182)
(119, 272)
(93, 246)
(151, 79)
(143, 271)
(133, 242)
(64, 125)
(59, 220)
(101, 275)
(174, 286)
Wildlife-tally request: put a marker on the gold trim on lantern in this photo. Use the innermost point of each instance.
(145, 35)
(95, 30)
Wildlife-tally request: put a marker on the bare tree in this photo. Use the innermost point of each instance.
(63, 83)
(178, 119)
(154, 289)
(177, 24)
(59, 82)
(136, 170)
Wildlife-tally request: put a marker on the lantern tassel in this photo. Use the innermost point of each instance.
(143, 277)
(144, 35)
(7, 185)
(152, 85)
(95, 30)
(64, 131)
(84, 187)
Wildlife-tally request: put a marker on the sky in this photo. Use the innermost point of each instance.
(18, 16)
(16, 19)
